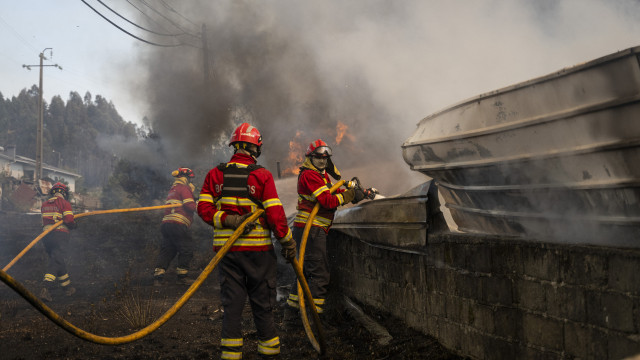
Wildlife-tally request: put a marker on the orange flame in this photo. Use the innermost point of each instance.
(341, 132)
(296, 156)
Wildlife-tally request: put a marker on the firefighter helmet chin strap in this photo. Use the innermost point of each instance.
(247, 148)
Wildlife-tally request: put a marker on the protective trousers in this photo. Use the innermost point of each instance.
(315, 267)
(252, 274)
(176, 239)
(55, 244)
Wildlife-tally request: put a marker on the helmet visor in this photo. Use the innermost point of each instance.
(322, 151)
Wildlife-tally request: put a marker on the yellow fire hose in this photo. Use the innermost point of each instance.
(76, 216)
(58, 320)
(297, 266)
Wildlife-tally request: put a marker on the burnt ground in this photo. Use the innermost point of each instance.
(111, 263)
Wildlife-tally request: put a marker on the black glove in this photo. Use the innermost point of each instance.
(358, 195)
(370, 193)
(348, 195)
(233, 221)
(289, 250)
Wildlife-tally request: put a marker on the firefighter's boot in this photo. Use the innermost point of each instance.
(182, 276)
(45, 295)
(158, 277)
(48, 284)
(184, 280)
(69, 290)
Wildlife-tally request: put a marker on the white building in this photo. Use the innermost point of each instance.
(17, 167)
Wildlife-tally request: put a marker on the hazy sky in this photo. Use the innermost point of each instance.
(416, 56)
(92, 52)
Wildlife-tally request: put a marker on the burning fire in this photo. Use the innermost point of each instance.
(296, 156)
(341, 132)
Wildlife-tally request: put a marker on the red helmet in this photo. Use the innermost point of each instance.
(186, 172)
(246, 133)
(318, 148)
(59, 188)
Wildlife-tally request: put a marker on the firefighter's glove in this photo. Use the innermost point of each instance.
(370, 193)
(348, 196)
(289, 250)
(233, 221)
(72, 225)
(358, 195)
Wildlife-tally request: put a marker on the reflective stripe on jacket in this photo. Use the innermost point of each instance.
(180, 193)
(55, 209)
(213, 208)
(313, 187)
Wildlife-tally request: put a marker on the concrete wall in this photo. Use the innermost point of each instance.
(490, 298)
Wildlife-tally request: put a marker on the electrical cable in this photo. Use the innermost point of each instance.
(166, 18)
(128, 33)
(177, 13)
(134, 24)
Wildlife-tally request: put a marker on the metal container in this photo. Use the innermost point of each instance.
(556, 157)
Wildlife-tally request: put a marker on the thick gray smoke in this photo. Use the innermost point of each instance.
(264, 72)
(300, 70)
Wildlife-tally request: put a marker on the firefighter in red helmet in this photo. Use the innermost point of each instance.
(57, 208)
(313, 187)
(230, 193)
(176, 239)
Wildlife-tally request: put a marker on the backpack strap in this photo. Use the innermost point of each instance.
(235, 180)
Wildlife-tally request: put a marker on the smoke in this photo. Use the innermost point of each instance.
(376, 66)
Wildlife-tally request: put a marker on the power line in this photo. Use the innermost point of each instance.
(134, 24)
(125, 31)
(17, 34)
(145, 15)
(166, 18)
(177, 13)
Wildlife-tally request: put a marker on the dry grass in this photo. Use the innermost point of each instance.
(140, 310)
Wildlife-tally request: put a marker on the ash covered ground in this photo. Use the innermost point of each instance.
(111, 262)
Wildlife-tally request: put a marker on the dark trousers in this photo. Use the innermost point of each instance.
(252, 274)
(316, 265)
(176, 239)
(55, 244)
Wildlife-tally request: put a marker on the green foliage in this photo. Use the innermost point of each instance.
(70, 132)
(133, 185)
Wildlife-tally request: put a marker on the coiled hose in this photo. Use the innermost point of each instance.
(74, 330)
(303, 288)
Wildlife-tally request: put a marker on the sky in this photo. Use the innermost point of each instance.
(300, 67)
(90, 51)
(431, 53)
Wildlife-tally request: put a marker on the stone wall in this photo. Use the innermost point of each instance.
(489, 298)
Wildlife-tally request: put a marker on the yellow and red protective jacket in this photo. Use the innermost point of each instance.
(261, 192)
(180, 193)
(56, 209)
(313, 187)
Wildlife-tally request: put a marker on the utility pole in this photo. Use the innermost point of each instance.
(38, 173)
(205, 57)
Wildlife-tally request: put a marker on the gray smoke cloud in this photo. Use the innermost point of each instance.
(296, 70)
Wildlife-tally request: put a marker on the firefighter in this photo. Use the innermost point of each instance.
(57, 208)
(313, 187)
(231, 191)
(176, 239)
